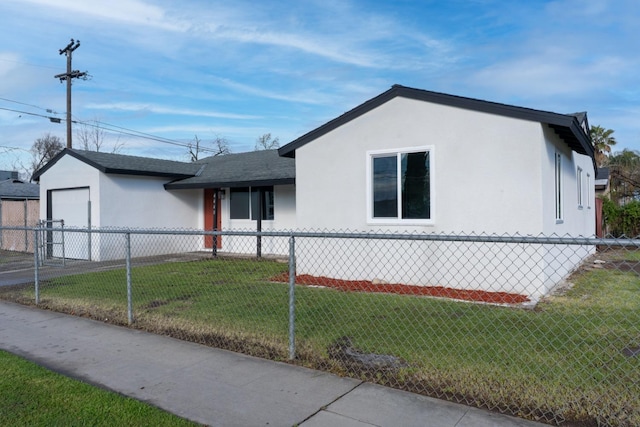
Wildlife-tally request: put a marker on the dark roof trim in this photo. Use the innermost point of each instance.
(566, 125)
(101, 168)
(256, 183)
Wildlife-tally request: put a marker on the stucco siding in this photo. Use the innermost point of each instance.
(491, 175)
(485, 169)
(142, 202)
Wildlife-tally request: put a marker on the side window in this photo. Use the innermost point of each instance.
(558, 185)
(589, 191)
(579, 179)
(400, 186)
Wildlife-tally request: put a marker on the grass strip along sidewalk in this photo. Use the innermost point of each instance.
(31, 395)
(574, 358)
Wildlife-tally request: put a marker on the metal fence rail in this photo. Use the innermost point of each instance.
(543, 327)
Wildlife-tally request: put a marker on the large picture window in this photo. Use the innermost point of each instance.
(400, 185)
(245, 203)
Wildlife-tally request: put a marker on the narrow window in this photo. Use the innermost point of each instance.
(401, 185)
(579, 189)
(558, 183)
(589, 191)
(267, 203)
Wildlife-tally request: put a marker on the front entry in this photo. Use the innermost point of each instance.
(212, 211)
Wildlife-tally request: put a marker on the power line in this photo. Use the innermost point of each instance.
(48, 110)
(114, 129)
(53, 119)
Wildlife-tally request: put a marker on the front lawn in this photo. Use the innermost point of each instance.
(33, 396)
(573, 358)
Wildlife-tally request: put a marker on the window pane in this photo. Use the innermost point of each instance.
(385, 187)
(267, 203)
(415, 185)
(239, 203)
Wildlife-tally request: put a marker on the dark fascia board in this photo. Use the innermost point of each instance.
(101, 168)
(255, 183)
(18, 198)
(50, 163)
(582, 141)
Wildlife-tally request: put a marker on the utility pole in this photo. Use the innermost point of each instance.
(75, 74)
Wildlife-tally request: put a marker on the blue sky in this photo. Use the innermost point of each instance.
(239, 69)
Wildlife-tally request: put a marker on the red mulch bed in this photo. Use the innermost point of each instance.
(400, 289)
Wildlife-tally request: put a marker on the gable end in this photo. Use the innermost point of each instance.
(568, 127)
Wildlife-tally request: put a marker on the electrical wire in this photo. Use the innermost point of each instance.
(112, 128)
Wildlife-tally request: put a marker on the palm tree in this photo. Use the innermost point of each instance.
(602, 141)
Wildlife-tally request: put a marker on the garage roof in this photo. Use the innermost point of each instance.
(253, 168)
(125, 165)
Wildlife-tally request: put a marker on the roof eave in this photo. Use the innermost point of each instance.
(225, 184)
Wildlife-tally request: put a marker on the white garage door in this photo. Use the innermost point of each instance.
(71, 205)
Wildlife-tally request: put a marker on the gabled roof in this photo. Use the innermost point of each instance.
(16, 189)
(568, 126)
(126, 165)
(254, 168)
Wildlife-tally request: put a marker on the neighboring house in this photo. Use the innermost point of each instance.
(18, 208)
(407, 160)
(103, 190)
(602, 182)
(411, 160)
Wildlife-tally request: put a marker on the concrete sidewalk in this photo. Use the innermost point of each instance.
(218, 387)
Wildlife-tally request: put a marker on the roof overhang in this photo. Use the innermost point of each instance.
(104, 169)
(177, 185)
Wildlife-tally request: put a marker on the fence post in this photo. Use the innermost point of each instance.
(89, 230)
(26, 224)
(127, 237)
(36, 263)
(292, 298)
(62, 232)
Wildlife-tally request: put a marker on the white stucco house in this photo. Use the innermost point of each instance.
(90, 189)
(407, 160)
(411, 160)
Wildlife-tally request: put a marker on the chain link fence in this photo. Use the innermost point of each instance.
(542, 327)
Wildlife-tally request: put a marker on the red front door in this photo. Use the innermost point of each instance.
(209, 215)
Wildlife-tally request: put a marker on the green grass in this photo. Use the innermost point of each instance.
(565, 360)
(33, 396)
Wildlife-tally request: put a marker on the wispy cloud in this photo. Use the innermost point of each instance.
(164, 110)
(124, 11)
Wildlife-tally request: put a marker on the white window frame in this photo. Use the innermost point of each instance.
(579, 179)
(559, 203)
(370, 155)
